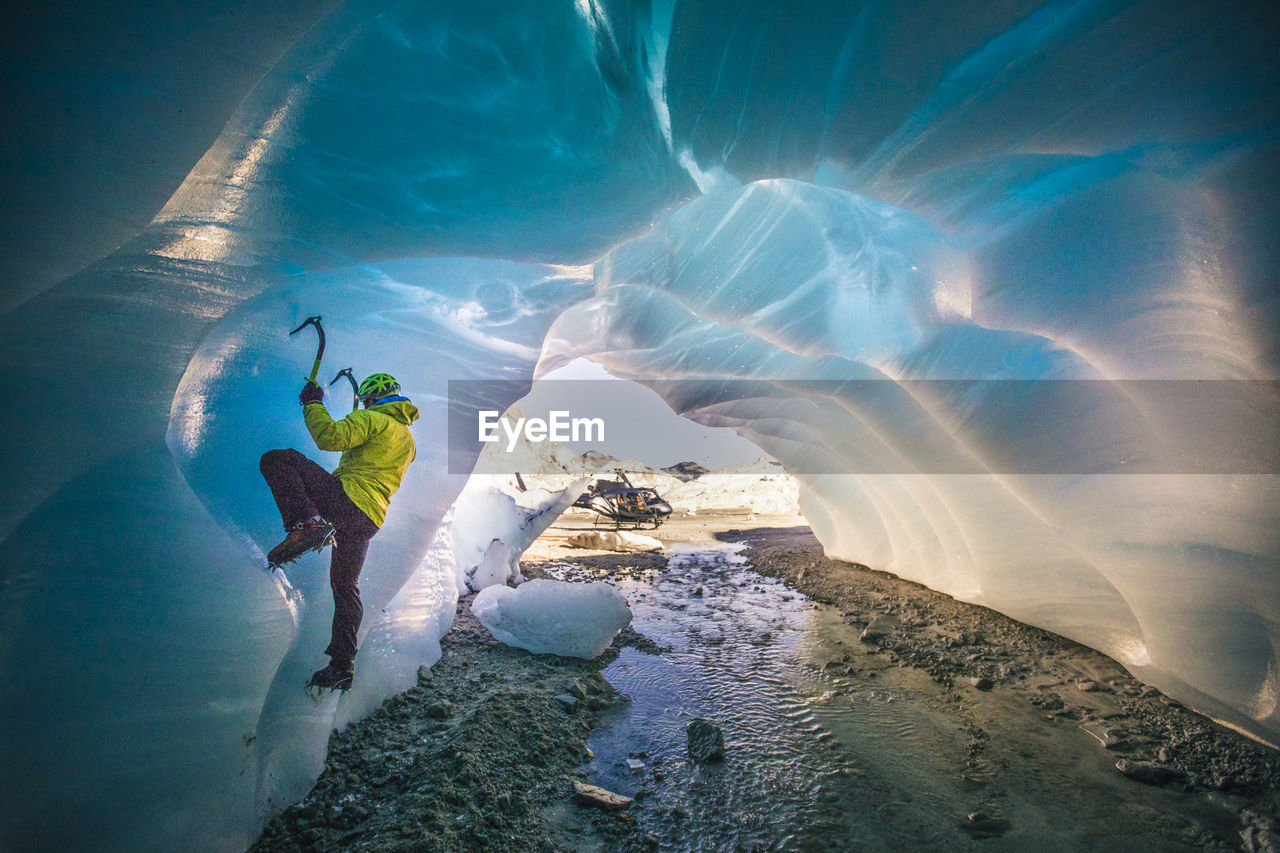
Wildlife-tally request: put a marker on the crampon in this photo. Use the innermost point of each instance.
(308, 535)
(332, 677)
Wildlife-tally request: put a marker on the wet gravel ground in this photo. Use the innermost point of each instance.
(480, 755)
(971, 649)
(483, 753)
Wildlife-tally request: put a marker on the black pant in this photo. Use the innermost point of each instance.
(303, 489)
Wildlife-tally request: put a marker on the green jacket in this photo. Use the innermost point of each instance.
(376, 446)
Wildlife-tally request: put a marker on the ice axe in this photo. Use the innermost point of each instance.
(355, 389)
(313, 321)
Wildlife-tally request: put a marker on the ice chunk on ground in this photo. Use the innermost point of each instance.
(492, 528)
(614, 540)
(498, 563)
(570, 619)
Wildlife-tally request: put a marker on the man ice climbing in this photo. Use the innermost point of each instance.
(348, 505)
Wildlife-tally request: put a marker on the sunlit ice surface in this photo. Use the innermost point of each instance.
(791, 200)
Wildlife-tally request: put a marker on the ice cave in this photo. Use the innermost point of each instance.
(996, 282)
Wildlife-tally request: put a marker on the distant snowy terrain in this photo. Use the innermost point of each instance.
(498, 515)
(763, 486)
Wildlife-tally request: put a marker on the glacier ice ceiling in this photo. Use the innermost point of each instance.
(688, 192)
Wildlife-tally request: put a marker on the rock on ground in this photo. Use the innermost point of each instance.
(1149, 772)
(706, 741)
(880, 627)
(597, 797)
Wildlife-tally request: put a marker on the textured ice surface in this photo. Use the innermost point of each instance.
(576, 620)
(373, 317)
(497, 516)
(886, 192)
(957, 457)
(492, 528)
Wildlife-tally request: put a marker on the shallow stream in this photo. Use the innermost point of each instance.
(830, 746)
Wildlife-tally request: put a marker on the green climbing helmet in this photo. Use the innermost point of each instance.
(377, 386)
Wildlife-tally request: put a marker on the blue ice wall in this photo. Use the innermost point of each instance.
(700, 190)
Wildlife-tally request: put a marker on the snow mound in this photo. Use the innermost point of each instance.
(576, 620)
(614, 540)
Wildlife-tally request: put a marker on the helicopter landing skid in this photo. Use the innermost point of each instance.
(652, 522)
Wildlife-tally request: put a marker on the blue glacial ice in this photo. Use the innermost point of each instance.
(754, 214)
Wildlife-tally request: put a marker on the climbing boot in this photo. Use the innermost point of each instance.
(335, 676)
(311, 534)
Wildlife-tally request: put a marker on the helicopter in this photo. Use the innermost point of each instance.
(623, 504)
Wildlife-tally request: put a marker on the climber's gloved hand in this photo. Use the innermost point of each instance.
(311, 393)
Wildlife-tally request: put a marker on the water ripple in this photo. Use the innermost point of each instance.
(748, 653)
